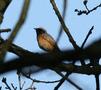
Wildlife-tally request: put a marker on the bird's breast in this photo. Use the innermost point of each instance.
(46, 42)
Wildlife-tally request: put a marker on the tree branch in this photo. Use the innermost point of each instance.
(65, 5)
(63, 24)
(16, 29)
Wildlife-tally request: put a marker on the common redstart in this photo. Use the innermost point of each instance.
(46, 41)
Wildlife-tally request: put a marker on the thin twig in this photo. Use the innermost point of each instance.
(23, 84)
(85, 40)
(95, 63)
(15, 88)
(32, 84)
(0, 87)
(61, 82)
(65, 5)
(19, 80)
(87, 11)
(97, 82)
(5, 82)
(63, 79)
(5, 30)
(40, 81)
(63, 24)
(89, 33)
(31, 87)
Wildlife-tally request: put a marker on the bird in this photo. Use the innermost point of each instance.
(46, 41)
(48, 44)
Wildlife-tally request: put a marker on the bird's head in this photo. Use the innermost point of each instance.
(39, 30)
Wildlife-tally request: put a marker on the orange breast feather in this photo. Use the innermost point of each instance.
(46, 42)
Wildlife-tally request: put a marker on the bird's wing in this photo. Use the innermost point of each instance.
(47, 43)
(51, 42)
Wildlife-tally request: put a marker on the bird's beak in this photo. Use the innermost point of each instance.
(35, 28)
